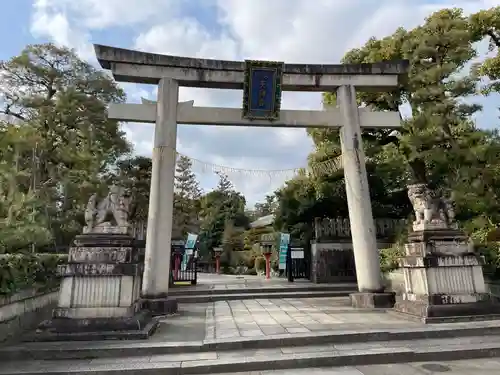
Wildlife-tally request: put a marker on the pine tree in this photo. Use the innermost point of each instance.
(186, 199)
(224, 186)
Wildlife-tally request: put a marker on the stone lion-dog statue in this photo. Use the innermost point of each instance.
(429, 208)
(111, 214)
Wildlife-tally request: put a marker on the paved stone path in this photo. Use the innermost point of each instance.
(210, 281)
(467, 367)
(235, 358)
(264, 317)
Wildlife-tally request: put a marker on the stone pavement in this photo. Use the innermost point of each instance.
(266, 333)
(489, 366)
(216, 362)
(264, 317)
(215, 282)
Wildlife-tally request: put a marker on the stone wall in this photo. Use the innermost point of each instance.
(24, 311)
(332, 257)
(333, 262)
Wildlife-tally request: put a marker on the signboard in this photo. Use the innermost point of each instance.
(189, 247)
(262, 90)
(284, 241)
(191, 241)
(297, 252)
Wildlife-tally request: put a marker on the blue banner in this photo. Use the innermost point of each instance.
(188, 249)
(284, 242)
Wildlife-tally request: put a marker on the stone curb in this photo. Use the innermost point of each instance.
(289, 361)
(128, 349)
(256, 295)
(292, 289)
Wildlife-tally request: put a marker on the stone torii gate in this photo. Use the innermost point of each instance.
(262, 84)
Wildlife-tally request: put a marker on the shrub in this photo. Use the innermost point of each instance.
(389, 258)
(24, 271)
(491, 254)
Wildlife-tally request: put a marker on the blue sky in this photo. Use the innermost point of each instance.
(284, 30)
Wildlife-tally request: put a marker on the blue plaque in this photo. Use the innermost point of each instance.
(262, 90)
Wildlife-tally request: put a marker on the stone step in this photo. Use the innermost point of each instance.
(251, 289)
(129, 349)
(256, 294)
(219, 362)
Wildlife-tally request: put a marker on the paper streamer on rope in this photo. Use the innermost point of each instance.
(314, 169)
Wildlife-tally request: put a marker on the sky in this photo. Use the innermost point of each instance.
(293, 31)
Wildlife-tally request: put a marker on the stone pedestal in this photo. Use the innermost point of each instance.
(100, 292)
(443, 278)
(379, 300)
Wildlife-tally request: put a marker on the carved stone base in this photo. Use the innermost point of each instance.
(100, 291)
(365, 300)
(427, 312)
(137, 326)
(443, 279)
(160, 306)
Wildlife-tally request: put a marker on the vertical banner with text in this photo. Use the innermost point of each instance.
(284, 242)
(188, 249)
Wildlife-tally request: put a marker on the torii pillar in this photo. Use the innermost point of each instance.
(160, 215)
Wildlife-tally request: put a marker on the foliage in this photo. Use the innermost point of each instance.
(186, 199)
(486, 24)
(389, 258)
(24, 271)
(252, 236)
(135, 174)
(218, 208)
(438, 143)
(260, 263)
(60, 142)
(268, 207)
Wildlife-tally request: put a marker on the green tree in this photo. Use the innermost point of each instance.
(486, 24)
(64, 100)
(435, 137)
(186, 198)
(135, 174)
(438, 145)
(22, 213)
(219, 207)
(267, 207)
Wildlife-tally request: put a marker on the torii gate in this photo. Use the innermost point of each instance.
(262, 84)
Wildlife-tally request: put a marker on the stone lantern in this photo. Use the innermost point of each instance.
(266, 246)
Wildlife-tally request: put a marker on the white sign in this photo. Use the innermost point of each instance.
(189, 252)
(297, 253)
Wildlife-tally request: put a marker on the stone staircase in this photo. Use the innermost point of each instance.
(272, 291)
(444, 342)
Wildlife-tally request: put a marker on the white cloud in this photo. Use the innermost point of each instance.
(296, 31)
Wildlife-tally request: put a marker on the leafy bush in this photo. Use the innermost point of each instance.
(389, 258)
(24, 271)
(483, 233)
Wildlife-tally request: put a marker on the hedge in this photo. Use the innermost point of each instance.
(389, 257)
(29, 271)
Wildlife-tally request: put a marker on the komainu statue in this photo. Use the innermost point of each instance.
(430, 209)
(111, 214)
